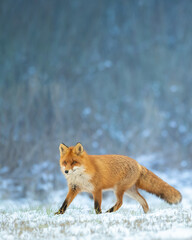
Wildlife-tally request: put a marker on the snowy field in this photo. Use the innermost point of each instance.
(27, 219)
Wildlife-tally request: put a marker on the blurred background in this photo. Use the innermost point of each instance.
(113, 75)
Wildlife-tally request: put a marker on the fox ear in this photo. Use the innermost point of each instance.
(63, 149)
(78, 148)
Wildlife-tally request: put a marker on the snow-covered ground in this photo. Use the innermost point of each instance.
(27, 219)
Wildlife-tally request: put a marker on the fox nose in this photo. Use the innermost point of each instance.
(66, 171)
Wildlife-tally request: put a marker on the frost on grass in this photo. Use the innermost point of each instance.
(82, 223)
(26, 219)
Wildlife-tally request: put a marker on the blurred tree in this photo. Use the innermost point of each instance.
(115, 75)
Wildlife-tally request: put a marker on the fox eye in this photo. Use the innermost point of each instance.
(65, 163)
(74, 162)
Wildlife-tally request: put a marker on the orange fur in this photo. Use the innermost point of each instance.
(94, 173)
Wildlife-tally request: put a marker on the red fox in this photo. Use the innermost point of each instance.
(122, 174)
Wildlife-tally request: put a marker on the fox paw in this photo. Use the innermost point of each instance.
(61, 211)
(97, 211)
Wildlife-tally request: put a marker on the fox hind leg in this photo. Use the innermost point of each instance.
(119, 194)
(134, 194)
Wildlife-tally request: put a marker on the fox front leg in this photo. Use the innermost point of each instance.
(70, 196)
(97, 196)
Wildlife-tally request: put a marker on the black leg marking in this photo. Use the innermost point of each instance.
(97, 208)
(63, 208)
(110, 210)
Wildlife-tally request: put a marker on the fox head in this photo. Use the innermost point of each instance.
(71, 158)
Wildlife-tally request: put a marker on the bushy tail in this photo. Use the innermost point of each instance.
(151, 183)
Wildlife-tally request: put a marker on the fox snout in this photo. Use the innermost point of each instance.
(66, 171)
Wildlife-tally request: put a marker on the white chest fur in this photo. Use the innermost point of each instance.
(78, 177)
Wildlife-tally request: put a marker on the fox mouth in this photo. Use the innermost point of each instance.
(71, 171)
(75, 171)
